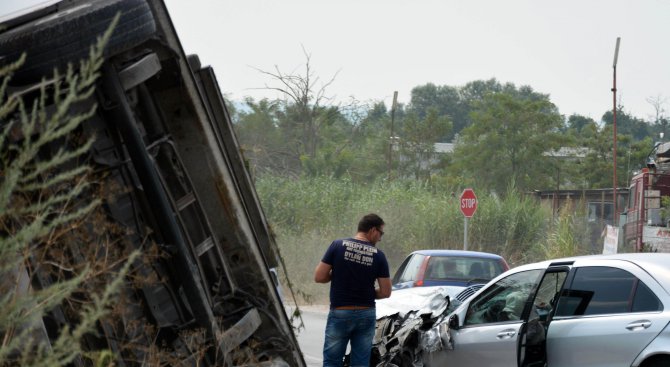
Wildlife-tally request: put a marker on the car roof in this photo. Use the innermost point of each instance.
(458, 253)
(654, 263)
(640, 258)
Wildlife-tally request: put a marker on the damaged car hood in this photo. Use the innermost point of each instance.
(422, 300)
(414, 321)
(410, 322)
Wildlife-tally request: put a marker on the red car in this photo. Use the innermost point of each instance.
(425, 268)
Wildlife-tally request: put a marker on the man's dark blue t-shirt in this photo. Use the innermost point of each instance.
(356, 266)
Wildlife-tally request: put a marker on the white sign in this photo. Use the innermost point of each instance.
(656, 237)
(611, 239)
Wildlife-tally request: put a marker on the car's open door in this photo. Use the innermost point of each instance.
(532, 335)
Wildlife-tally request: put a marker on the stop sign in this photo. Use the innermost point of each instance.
(468, 203)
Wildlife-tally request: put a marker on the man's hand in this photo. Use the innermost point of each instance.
(384, 290)
(322, 272)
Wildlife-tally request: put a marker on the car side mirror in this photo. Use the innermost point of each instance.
(453, 322)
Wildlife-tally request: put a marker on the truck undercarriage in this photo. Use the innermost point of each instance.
(174, 186)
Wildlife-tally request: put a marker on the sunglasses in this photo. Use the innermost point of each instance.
(380, 231)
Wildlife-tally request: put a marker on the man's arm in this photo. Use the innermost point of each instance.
(322, 272)
(384, 290)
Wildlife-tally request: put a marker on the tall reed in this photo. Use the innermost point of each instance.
(308, 213)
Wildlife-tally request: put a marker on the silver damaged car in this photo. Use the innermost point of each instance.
(601, 310)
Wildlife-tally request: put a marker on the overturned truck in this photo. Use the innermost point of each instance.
(173, 185)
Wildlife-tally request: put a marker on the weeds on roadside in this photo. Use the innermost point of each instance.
(307, 213)
(52, 263)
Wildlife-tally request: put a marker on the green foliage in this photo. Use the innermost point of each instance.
(596, 169)
(458, 103)
(599, 157)
(262, 143)
(417, 146)
(578, 122)
(43, 183)
(628, 124)
(569, 236)
(502, 133)
(308, 213)
(507, 141)
(510, 225)
(343, 141)
(445, 101)
(665, 208)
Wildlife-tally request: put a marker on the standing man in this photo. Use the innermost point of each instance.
(353, 265)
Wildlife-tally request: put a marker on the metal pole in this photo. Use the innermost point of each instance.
(616, 55)
(390, 160)
(557, 199)
(465, 233)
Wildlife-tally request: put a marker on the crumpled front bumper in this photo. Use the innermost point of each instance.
(403, 337)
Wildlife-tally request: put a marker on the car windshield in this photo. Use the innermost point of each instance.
(462, 268)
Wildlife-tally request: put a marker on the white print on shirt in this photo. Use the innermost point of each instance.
(358, 252)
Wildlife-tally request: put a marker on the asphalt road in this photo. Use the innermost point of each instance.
(311, 337)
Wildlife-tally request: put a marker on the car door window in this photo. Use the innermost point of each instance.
(605, 290)
(503, 301)
(410, 270)
(533, 336)
(645, 300)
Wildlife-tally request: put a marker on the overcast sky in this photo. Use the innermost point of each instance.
(561, 48)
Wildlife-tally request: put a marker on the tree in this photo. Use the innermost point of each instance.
(458, 102)
(578, 122)
(336, 153)
(417, 143)
(573, 168)
(306, 108)
(444, 101)
(596, 169)
(314, 136)
(659, 120)
(627, 124)
(507, 142)
(355, 143)
(261, 139)
(633, 158)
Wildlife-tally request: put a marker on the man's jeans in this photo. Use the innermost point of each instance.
(344, 326)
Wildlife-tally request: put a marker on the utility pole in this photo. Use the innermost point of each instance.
(392, 137)
(616, 55)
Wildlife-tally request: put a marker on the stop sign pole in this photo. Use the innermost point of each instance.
(468, 208)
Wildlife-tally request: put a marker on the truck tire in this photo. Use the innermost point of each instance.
(66, 36)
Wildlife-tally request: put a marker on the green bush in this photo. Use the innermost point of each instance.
(308, 213)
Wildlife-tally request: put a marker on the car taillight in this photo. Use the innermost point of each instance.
(418, 283)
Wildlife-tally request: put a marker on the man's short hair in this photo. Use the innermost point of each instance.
(370, 221)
